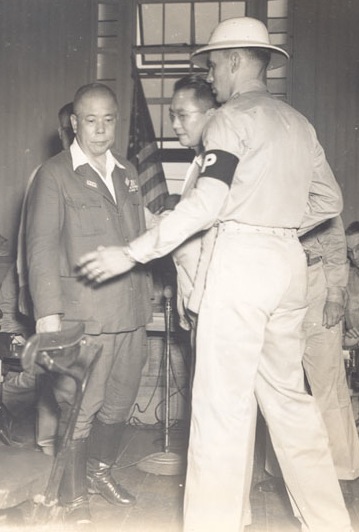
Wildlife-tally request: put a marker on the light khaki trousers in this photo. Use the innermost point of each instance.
(324, 366)
(323, 363)
(250, 345)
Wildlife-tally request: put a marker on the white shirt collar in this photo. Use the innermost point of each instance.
(79, 158)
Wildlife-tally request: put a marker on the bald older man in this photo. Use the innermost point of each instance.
(87, 197)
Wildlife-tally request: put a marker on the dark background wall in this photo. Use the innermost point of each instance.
(46, 53)
(325, 85)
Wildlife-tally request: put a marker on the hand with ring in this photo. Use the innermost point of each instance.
(105, 263)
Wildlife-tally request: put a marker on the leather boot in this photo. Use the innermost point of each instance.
(104, 443)
(73, 489)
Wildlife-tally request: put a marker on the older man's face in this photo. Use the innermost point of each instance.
(95, 123)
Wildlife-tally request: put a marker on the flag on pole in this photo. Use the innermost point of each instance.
(143, 152)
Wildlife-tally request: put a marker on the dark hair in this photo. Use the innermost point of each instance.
(100, 88)
(66, 111)
(201, 87)
(352, 228)
(263, 55)
(65, 130)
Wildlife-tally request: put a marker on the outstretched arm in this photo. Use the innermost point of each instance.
(196, 212)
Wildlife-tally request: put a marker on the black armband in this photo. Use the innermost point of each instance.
(219, 164)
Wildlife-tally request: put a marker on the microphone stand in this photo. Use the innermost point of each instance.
(165, 462)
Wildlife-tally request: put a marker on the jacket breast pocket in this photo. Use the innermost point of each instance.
(86, 216)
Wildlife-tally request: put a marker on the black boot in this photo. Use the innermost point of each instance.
(103, 450)
(73, 488)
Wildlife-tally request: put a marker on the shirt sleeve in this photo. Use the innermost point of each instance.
(198, 211)
(335, 263)
(44, 218)
(325, 198)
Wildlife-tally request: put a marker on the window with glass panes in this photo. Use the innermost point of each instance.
(167, 32)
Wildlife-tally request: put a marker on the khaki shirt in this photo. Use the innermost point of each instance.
(282, 178)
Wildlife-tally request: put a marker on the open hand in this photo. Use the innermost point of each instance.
(332, 314)
(105, 263)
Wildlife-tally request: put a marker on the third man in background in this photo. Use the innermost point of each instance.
(193, 103)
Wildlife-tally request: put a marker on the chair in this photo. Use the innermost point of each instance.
(30, 475)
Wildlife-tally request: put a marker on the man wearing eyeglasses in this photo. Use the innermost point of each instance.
(192, 105)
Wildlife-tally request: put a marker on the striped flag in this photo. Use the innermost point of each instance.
(143, 152)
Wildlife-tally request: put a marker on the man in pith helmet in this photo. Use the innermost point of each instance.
(264, 181)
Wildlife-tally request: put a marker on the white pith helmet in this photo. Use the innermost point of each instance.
(241, 32)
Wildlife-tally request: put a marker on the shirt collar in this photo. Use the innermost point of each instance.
(79, 158)
(252, 85)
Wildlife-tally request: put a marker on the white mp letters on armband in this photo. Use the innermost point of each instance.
(220, 165)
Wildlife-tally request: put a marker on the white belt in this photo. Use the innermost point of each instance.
(231, 226)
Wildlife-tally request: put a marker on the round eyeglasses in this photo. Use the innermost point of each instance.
(182, 115)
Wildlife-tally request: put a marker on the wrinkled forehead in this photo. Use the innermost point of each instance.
(185, 99)
(96, 102)
(353, 241)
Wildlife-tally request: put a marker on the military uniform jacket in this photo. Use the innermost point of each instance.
(71, 213)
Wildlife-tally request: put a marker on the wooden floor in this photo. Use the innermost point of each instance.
(159, 495)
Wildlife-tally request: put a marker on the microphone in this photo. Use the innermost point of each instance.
(168, 292)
